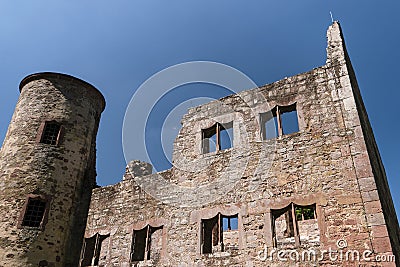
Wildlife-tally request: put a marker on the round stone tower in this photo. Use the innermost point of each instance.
(47, 171)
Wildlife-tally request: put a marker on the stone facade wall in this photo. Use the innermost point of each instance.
(380, 203)
(325, 163)
(63, 173)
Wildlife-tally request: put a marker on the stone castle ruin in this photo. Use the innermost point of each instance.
(298, 172)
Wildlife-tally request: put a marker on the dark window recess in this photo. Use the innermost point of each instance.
(145, 244)
(51, 133)
(217, 137)
(279, 121)
(216, 235)
(91, 250)
(34, 212)
(285, 223)
(210, 234)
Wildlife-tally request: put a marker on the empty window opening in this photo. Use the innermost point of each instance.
(229, 223)
(210, 234)
(288, 119)
(219, 234)
(294, 224)
(92, 254)
(146, 244)
(279, 121)
(283, 225)
(268, 121)
(217, 137)
(51, 133)
(34, 212)
(209, 139)
(226, 136)
(305, 213)
(306, 218)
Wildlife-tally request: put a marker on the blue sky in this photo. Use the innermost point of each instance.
(117, 45)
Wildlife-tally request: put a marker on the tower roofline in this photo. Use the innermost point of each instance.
(50, 75)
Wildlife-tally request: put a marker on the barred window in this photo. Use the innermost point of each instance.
(34, 212)
(51, 133)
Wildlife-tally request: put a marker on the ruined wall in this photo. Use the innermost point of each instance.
(62, 173)
(378, 204)
(324, 164)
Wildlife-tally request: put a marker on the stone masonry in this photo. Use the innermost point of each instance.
(273, 197)
(56, 175)
(320, 187)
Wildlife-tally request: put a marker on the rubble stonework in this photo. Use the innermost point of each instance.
(319, 188)
(64, 173)
(331, 163)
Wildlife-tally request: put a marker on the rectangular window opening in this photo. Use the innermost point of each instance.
(88, 251)
(226, 136)
(281, 120)
(294, 224)
(34, 212)
(289, 119)
(217, 137)
(305, 213)
(283, 224)
(269, 125)
(219, 234)
(91, 250)
(146, 244)
(209, 139)
(230, 223)
(139, 244)
(51, 133)
(210, 234)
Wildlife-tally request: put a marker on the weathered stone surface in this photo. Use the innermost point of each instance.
(321, 188)
(137, 168)
(65, 173)
(329, 163)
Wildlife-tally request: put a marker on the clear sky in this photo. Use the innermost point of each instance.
(117, 45)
